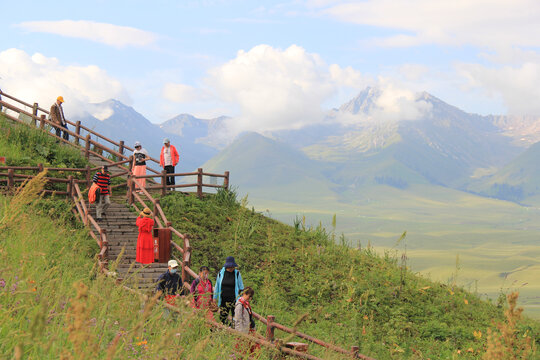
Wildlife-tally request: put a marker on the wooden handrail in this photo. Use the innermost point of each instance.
(15, 99)
(102, 241)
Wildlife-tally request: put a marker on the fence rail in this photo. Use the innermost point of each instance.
(144, 199)
(92, 147)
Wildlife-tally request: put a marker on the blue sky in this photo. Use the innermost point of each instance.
(272, 64)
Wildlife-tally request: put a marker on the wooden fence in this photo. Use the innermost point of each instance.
(90, 146)
(139, 201)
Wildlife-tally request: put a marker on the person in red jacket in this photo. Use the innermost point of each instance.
(145, 245)
(168, 159)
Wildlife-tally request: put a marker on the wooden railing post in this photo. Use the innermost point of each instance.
(40, 167)
(226, 181)
(42, 122)
(87, 146)
(354, 351)
(199, 182)
(163, 182)
(70, 186)
(270, 319)
(131, 189)
(121, 147)
(77, 131)
(88, 176)
(154, 210)
(11, 180)
(34, 112)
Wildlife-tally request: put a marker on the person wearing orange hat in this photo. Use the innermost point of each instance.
(57, 117)
(145, 245)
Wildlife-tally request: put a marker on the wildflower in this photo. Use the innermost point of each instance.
(363, 330)
(366, 317)
(31, 281)
(144, 342)
(34, 289)
(2, 283)
(477, 334)
(466, 301)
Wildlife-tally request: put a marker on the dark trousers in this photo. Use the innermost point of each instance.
(170, 170)
(226, 308)
(59, 131)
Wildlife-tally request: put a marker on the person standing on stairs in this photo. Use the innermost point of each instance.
(140, 156)
(57, 116)
(201, 289)
(228, 286)
(103, 180)
(145, 243)
(168, 159)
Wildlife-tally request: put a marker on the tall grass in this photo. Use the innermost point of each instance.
(26, 146)
(54, 303)
(353, 297)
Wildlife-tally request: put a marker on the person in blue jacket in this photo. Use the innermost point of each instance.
(229, 285)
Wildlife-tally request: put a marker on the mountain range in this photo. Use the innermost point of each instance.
(444, 146)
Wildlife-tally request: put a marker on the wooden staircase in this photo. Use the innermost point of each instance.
(119, 223)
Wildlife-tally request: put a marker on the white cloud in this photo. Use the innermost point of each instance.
(485, 23)
(181, 93)
(388, 101)
(109, 34)
(41, 79)
(517, 85)
(278, 89)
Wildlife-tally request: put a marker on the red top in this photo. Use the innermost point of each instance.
(174, 156)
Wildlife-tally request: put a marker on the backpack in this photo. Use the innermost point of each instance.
(94, 193)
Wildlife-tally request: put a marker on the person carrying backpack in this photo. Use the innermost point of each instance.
(229, 284)
(102, 179)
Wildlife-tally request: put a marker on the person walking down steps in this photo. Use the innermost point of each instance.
(168, 159)
(57, 116)
(140, 156)
(145, 245)
(228, 286)
(103, 180)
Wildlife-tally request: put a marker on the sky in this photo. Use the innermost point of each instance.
(271, 64)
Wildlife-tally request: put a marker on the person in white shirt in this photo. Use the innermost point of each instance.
(168, 159)
(140, 156)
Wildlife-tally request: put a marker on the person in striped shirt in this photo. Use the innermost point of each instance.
(103, 180)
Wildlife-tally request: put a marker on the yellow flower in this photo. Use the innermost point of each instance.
(477, 334)
(466, 301)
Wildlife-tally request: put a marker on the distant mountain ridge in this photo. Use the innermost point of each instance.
(354, 146)
(444, 146)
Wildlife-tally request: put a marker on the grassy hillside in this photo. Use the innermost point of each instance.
(23, 146)
(376, 198)
(53, 303)
(518, 181)
(351, 296)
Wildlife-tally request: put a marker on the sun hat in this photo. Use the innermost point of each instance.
(137, 144)
(229, 262)
(172, 263)
(146, 212)
(61, 99)
(166, 141)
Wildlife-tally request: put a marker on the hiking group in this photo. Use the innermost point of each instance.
(229, 297)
